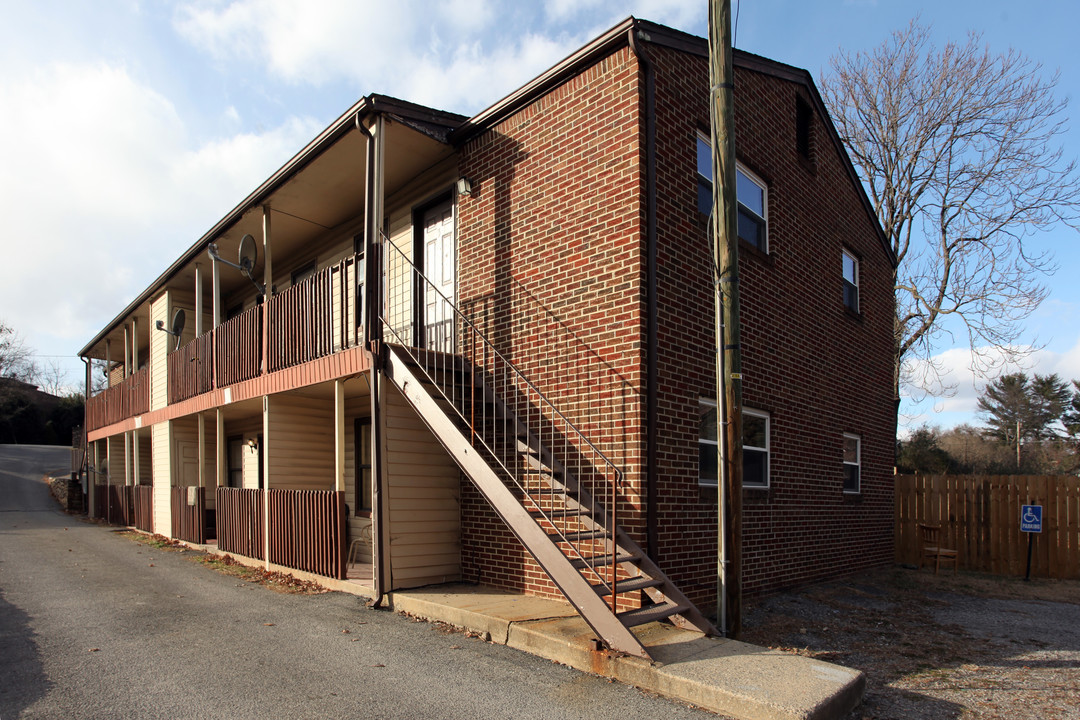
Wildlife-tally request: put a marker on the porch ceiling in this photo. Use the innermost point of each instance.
(324, 196)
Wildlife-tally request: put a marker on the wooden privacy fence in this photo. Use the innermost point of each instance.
(143, 500)
(980, 518)
(239, 518)
(307, 531)
(113, 504)
(189, 514)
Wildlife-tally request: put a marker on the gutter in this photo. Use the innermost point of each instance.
(652, 353)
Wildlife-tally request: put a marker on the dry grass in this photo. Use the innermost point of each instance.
(964, 646)
(277, 581)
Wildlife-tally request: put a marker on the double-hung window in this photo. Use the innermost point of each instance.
(852, 462)
(851, 281)
(755, 446)
(750, 191)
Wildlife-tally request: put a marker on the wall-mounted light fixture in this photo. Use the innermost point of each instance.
(464, 186)
(253, 444)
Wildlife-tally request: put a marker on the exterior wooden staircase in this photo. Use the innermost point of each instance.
(555, 490)
(549, 508)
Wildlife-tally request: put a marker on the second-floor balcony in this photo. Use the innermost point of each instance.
(314, 318)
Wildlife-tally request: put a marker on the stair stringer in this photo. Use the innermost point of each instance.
(577, 590)
(692, 619)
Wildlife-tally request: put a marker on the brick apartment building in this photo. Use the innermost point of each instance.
(496, 365)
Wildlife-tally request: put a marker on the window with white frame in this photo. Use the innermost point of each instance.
(755, 446)
(750, 191)
(852, 463)
(851, 281)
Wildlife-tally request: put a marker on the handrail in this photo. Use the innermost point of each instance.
(500, 379)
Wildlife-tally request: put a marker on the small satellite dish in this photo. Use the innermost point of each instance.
(178, 320)
(248, 256)
(177, 327)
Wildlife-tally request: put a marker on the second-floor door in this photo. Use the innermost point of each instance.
(440, 266)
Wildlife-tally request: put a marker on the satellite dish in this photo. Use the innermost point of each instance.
(248, 256)
(178, 319)
(177, 327)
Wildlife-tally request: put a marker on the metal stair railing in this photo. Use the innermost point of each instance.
(522, 431)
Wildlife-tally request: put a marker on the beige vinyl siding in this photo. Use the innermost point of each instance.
(114, 459)
(301, 443)
(146, 458)
(186, 448)
(159, 350)
(246, 428)
(161, 440)
(425, 507)
(358, 527)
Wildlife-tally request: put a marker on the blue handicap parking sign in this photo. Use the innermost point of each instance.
(1031, 518)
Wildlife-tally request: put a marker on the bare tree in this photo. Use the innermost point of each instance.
(16, 358)
(959, 151)
(54, 379)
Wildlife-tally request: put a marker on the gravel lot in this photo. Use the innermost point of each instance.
(963, 646)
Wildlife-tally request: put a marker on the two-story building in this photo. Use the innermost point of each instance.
(481, 349)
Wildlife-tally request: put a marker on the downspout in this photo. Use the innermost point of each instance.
(84, 466)
(372, 338)
(652, 353)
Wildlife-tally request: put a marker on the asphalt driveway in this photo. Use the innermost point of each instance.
(93, 625)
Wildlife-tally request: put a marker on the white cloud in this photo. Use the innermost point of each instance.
(461, 55)
(961, 405)
(101, 188)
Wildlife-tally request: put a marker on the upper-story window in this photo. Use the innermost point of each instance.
(852, 463)
(755, 446)
(804, 142)
(750, 191)
(851, 281)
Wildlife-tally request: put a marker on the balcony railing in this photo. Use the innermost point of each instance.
(238, 348)
(111, 405)
(191, 369)
(314, 318)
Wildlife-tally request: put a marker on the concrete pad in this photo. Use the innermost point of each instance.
(725, 676)
(482, 610)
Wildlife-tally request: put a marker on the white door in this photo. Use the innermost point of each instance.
(440, 266)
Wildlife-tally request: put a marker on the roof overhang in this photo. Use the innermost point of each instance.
(321, 188)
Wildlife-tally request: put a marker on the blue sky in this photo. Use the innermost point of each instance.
(128, 128)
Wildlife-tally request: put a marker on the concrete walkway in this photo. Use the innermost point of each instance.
(725, 676)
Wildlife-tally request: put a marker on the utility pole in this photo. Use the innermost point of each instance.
(725, 242)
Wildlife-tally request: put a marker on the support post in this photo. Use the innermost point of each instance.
(268, 285)
(215, 270)
(339, 435)
(219, 446)
(202, 450)
(726, 298)
(198, 300)
(264, 448)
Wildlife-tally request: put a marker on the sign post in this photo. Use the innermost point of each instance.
(1031, 523)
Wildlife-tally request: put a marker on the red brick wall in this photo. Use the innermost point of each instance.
(817, 369)
(550, 250)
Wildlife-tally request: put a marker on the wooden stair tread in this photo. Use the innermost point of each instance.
(651, 613)
(604, 560)
(630, 585)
